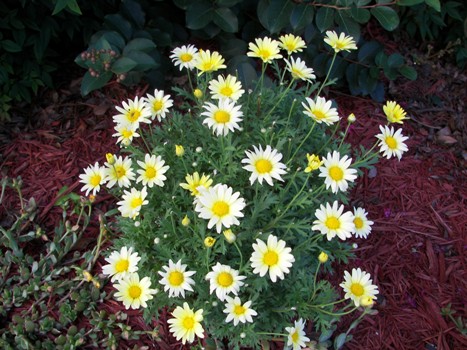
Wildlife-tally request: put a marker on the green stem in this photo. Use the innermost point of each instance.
(144, 140)
(363, 159)
(241, 256)
(328, 304)
(314, 280)
(279, 100)
(329, 139)
(343, 137)
(290, 114)
(327, 75)
(301, 144)
(338, 314)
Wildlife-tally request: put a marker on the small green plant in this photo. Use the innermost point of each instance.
(458, 321)
(233, 204)
(46, 286)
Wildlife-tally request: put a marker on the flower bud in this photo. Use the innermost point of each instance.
(185, 221)
(229, 236)
(179, 150)
(366, 301)
(351, 118)
(110, 158)
(87, 276)
(209, 242)
(198, 93)
(323, 257)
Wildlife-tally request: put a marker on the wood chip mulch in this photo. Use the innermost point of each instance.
(415, 253)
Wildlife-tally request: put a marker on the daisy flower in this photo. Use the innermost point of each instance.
(291, 43)
(362, 224)
(158, 104)
(224, 280)
(394, 112)
(119, 172)
(93, 178)
(133, 112)
(176, 280)
(222, 118)
(220, 206)
(238, 312)
(264, 165)
(331, 221)
(341, 42)
(125, 133)
(121, 263)
(391, 143)
(134, 292)
(358, 285)
(152, 171)
(186, 323)
(337, 172)
(313, 162)
(131, 203)
(296, 338)
(299, 70)
(184, 56)
(273, 257)
(321, 111)
(226, 88)
(265, 49)
(209, 62)
(194, 181)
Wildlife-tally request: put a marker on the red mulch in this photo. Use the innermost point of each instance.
(415, 254)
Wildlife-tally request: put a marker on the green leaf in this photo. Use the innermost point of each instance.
(435, 4)
(368, 51)
(90, 83)
(277, 14)
(143, 60)
(395, 60)
(386, 16)
(10, 46)
(74, 7)
(348, 25)
(360, 3)
(301, 16)
(198, 15)
(408, 72)
(226, 20)
(139, 44)
(360, 15)
(228, 3)
(123, 65)
(324, 18)
(114, 39)
(59, 6)
(409, 2)
(134, 12)
(340, 341)
(119, 24)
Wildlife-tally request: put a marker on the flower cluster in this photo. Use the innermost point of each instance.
(229, 195)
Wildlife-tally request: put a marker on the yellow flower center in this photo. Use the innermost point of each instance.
(226, 91)
(358, 223)
(290, 46)
(221, 116)
(176, 278)
(207, 66)
(220, 208)
(188, 322)
(296, 73)
(127, 133)
(150, 172)
(336, 173)
(319, 114)
(239, 310)
(186, 57)
(333, 223)
(225, 279)
(133, 115)
(263, 166)
(270, 258)
(264, 54)
(120, 171)
(134, 292)
(95, 180)
(122, 265)
(136, 202)
(340, 44)
(357, 289)
(391, 142)
(157, 105)
(295, 336)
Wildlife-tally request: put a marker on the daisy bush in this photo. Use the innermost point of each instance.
(233, 202)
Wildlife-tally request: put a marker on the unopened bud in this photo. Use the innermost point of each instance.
(209, 242)
(179, 150)
(185, 221)
(323, 257)
(229, 236)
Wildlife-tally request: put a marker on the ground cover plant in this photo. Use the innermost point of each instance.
(234, 201)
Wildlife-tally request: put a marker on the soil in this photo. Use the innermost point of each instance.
(415, 253)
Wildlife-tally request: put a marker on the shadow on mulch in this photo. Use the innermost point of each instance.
(415, 254)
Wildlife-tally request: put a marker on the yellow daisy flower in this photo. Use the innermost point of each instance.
(227, 87)
(158, 104)
(296, 337)
(223, 117)
(264, 165)
(184, 57)
(224, 280)
(186, 323)
(125, 133)
(133, 112)
(394, 112)
(176, 280)
(361, 222)
(291, 43)
(339, 42)
(313, 162)
(209, 62)
(337, 172)
(273, 257)
(152, 171)
(265, 49)
(238, 312)
(320, 111)
(119, 172)
(391, 143)
(134, 292)
(131, 202)
(332, 221)
(194, 181)
(121, 263)
(358, 285)
(93, 178)
(299, 70)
